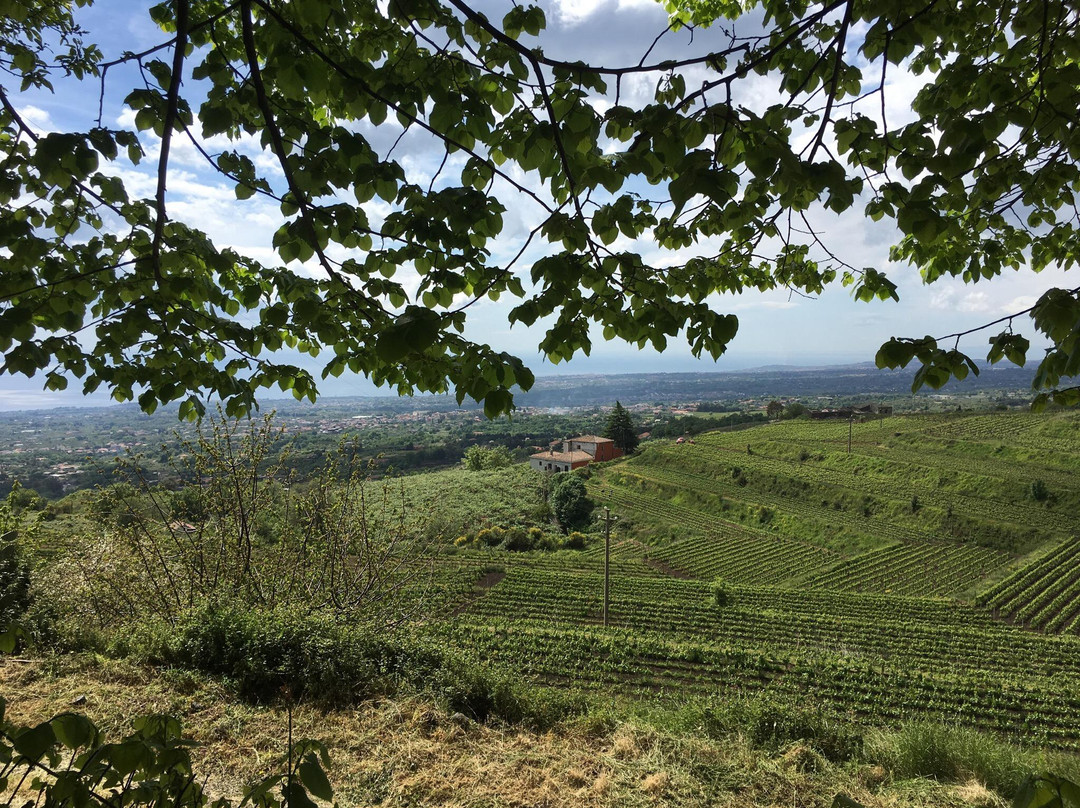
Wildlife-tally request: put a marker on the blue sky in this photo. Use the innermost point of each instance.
(775, 327)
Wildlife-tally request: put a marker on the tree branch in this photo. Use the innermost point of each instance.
(276, 141)
(367, 88)
(171, 114)
(841, 43)
(532, 55)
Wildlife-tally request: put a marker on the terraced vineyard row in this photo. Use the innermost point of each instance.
(638, 664)
(905, 569)
(1045, 594)
(760, 561)
(859, 484)
(716, 486)
(1018, 429)
(1058, 479)
(654, 507)
(627, 558)
(734, 552)
(902, 633)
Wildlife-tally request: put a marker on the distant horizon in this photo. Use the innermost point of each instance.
(33, 400)
(26, 399)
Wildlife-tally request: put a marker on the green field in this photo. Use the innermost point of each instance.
(932, 572)
(929, 573)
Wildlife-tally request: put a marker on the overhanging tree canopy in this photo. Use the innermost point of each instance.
(102, 285)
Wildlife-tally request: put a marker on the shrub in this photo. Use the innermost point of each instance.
(949, 753)
(1038, 491)
(774, 724)
(575, 541)
(794, 410)
(478, 458)
(14, 574)
(569, 501)
(517, 540)
(721, 595)
(490, 536)
(331, 543)
(334, 664)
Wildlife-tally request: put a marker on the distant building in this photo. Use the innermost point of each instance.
(575, 453)
(851, 412)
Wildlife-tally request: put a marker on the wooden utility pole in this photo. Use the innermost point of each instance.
(607, 560)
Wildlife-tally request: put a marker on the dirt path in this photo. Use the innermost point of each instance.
(670, 571)
(485, 582)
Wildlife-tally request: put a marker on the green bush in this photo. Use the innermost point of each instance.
(721, 595)
(14, 573)
(575, 541)
(950, 753)
(569, 501)
(518, 540)
(490, 536)
(773, 724)
(319, 659)
(477, 458)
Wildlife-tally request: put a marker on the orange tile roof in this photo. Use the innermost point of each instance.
(562, 457)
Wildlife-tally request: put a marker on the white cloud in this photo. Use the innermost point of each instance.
(1020, 303)
(37, 118)
(977, 302)
(574, 12)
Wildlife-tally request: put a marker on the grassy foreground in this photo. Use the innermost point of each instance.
(411, 752)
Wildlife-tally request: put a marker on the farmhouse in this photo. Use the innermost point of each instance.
(843, 413)
(575, 453)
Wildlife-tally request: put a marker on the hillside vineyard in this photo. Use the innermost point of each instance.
(931, 572)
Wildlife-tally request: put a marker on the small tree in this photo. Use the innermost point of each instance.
(571, 506)
(477, 458)
(620, 428)
(721, 594)
(248, 536)
(14, 575)
(774, 409)
(794, 410)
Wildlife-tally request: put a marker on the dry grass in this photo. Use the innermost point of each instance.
(410, 753)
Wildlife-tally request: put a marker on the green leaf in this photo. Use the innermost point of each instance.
(128, 757)
(895, 354)
(33, 743)
(314, 778)
(413, 332)
(296, 797)
(74, 730)
(498, 402)
(9, 638)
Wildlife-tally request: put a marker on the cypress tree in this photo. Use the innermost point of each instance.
(620, 428)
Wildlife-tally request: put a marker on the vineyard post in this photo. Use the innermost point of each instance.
(607, 560)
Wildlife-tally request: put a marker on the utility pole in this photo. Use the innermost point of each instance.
(607, 560)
